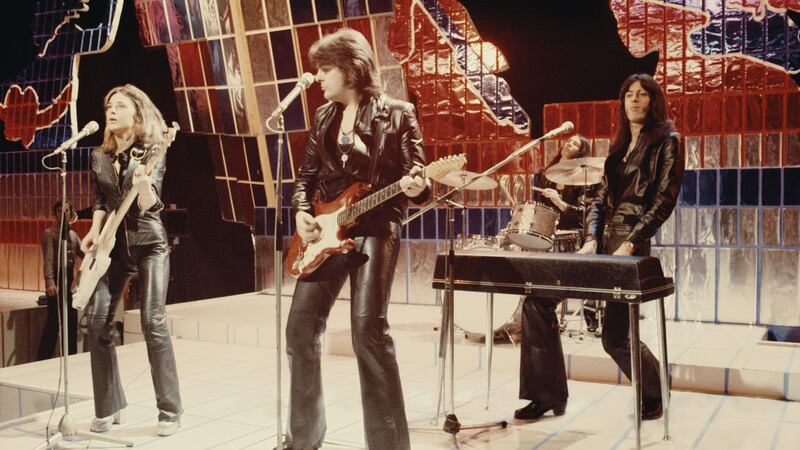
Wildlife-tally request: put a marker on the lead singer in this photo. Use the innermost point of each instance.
(344, 147)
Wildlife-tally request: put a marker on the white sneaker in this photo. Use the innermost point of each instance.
(167, 428)
(103, 424)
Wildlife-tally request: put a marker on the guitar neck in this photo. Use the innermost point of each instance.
(371, 201)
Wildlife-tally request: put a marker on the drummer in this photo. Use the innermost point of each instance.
(543, 378)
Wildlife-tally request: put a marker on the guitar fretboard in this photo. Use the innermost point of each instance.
(370, 201)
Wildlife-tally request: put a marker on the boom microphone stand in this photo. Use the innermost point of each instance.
(67, 429)
(446, 332)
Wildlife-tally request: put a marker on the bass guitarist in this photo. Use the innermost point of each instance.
(133, 123)
(360, 135)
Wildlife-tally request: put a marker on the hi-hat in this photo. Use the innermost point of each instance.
(456, 178)
(577, 172)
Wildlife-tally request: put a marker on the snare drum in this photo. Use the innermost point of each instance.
(532, 226)
(567, 241)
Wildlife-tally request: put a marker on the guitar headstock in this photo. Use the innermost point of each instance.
(157, 151)
(444, 165)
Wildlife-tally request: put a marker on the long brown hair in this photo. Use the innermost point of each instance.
(350, 52)
(585, 149)
(149, 126)
(656, 122)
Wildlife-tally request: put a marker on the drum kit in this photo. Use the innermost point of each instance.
(534, 225)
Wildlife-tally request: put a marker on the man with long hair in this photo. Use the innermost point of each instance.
(359, 135)
(638, 192)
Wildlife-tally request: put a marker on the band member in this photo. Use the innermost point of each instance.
(132, 120)
(51, 243)
(543, 378)
(638, 192)
(343, 148)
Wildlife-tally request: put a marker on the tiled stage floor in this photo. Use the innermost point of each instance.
(229, 395)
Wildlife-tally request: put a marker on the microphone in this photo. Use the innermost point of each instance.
(303, 83)
(565, 127)
(88, 129)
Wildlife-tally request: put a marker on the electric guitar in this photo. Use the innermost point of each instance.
(96, 261)
(337, 216)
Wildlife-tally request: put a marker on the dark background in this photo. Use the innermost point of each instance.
(558, 52)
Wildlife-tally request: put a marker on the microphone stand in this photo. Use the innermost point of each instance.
(278, 263)
(67, 430)
(446, 332)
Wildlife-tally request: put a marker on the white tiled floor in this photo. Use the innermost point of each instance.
(229, 399)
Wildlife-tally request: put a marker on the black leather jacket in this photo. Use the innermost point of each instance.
(652, 179)
(139, 227)
(322, 175)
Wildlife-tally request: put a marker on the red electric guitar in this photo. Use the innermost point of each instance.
(337, 216)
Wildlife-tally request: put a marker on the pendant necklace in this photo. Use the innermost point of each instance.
(345, 144)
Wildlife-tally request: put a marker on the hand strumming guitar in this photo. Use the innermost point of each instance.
(307, 226)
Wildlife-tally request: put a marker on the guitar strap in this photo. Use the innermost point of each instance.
(379, 125)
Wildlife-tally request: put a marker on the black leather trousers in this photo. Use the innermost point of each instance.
(151, 262)
(371, 268)
(543, 377)
(616, 325)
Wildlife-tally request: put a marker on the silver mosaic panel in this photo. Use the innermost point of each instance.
(503, 190)
(707, 226)
(265, 267)
(748, 226)
(667, 257)
(551, 149)
(772, 150)
(771, 226)
(518, 191)
(733, 145)
(780, 287)
(697, 283)
(711, 151)
(692, 146)
(727, 226)
(687, 222)
(752, 150)
(737, 285)
(421, 262)
(666, 234)
(791, 227)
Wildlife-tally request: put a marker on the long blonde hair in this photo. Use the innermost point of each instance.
(149, 126)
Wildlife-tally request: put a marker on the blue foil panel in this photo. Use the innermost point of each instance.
(217, 63)
(283, 52)
(688, 196)
(729, 187)
(708, 188)
(272, 151)
(749, 187)
(490, 222)
(327, 10)
(771, 187)
(354, 8)
(791, 186)
(475, 221)
(429, 225)
(302, 12)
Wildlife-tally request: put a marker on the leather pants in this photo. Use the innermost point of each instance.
(151, 262)
(543, 377)
(616, 325)
(371, 268)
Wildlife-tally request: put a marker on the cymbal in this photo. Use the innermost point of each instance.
(577, 172)
(456, 178)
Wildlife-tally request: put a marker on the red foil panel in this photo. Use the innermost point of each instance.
(693, 76)
(190, 62)
(712, 114)
(733, 74)
(712, 78)
(585, 123)
(755, 77)
(602, 119)
(733, 113)
(675, 107)
(773, 111)
(793, 110)
(694, 115)
(754, 112)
